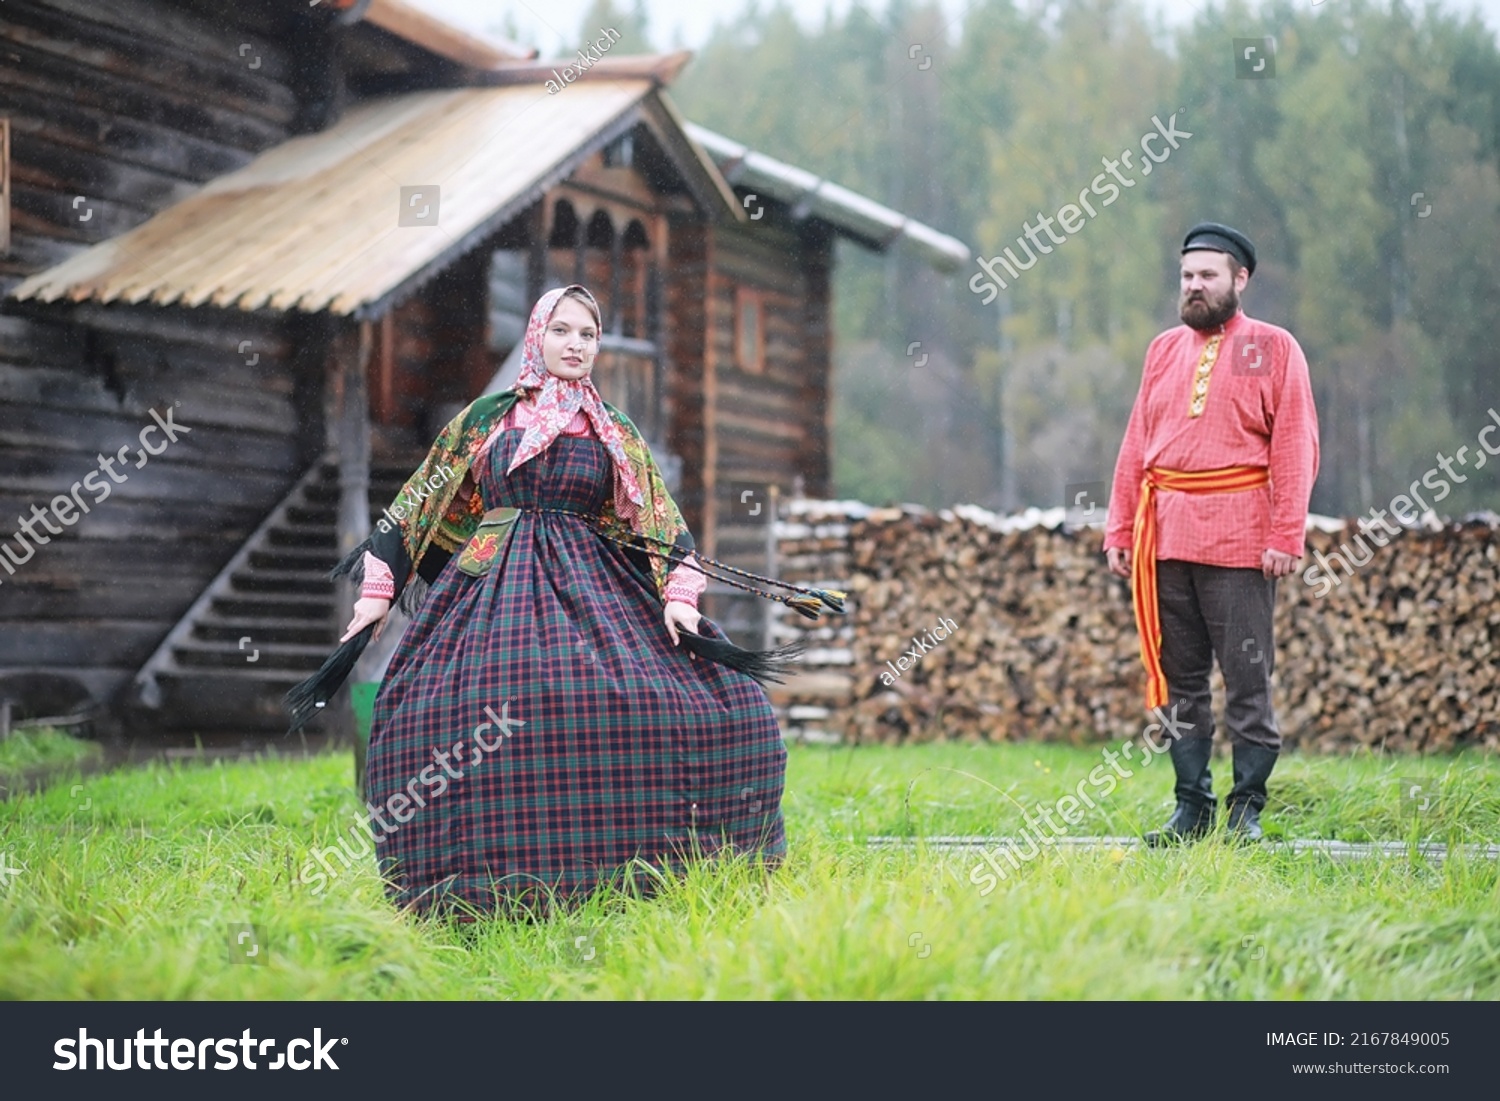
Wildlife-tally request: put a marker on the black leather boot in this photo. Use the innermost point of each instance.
(1252, 768)
(1196, 806)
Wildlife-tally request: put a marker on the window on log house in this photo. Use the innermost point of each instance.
(749, 330)
(4, 186)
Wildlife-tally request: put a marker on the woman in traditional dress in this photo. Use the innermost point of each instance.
(541, 726)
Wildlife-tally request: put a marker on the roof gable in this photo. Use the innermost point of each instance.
(352, 219)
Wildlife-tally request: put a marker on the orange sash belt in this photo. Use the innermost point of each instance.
(1229, 479)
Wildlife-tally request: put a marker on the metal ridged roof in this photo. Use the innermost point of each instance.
(312, 224)
(814, 196)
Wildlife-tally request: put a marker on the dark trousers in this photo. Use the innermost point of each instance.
(1209, 611)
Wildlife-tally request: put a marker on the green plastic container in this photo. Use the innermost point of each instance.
(362, 698)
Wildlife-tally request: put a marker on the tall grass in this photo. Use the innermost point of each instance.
(36, 748)
(130, 889)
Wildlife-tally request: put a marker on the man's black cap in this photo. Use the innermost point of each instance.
(1221, 238)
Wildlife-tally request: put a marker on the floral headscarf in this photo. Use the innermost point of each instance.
(558, 400)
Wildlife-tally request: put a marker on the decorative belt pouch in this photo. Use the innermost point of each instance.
(485, 545)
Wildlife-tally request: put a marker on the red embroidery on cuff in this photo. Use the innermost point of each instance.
(379, 582)
(685, 583)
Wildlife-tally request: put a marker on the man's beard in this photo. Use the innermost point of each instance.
(1201, 312)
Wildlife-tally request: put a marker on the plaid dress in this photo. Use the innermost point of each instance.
(537, 730)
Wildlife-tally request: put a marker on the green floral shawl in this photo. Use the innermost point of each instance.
(440, 506)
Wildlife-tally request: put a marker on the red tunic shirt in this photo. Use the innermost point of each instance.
(1259, 412)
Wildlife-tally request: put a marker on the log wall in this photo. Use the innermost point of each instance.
(771, 424)
(1403, 655)
(690, 388)
(117, 111)
(432, 357)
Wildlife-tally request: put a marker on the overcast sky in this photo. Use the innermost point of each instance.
(552, 24)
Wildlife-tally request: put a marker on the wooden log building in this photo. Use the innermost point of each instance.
(254, 253)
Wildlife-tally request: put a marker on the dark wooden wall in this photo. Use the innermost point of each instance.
(815, 456)
(771, 425)
(432, 356)
(130, 106)
(689, 385)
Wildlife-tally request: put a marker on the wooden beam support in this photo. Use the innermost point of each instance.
(661, 403)
(4, 186)
(536, 255)
(710, 480)
(351, 441)
(351, 428)
(385, 399)
(580, 239)
(616, 255)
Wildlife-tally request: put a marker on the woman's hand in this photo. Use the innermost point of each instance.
(367, 610)
(677, 614)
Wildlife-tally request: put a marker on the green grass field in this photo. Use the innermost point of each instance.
(35, 749)
(129, 889)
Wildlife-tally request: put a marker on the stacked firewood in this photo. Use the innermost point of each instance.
(813, 541)
(964, 625)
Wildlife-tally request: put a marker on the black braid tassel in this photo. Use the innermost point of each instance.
(808, 602)
(765, 667)
(312, 695)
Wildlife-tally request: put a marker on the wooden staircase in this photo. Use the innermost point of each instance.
(264, 623)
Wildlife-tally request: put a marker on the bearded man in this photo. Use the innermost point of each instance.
(1209, 508)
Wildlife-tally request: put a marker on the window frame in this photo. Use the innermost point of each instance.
(752, 297)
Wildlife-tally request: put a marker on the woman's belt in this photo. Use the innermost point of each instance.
(1229, 479)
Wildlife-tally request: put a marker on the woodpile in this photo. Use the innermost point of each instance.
(963, 625)
(813, 540)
